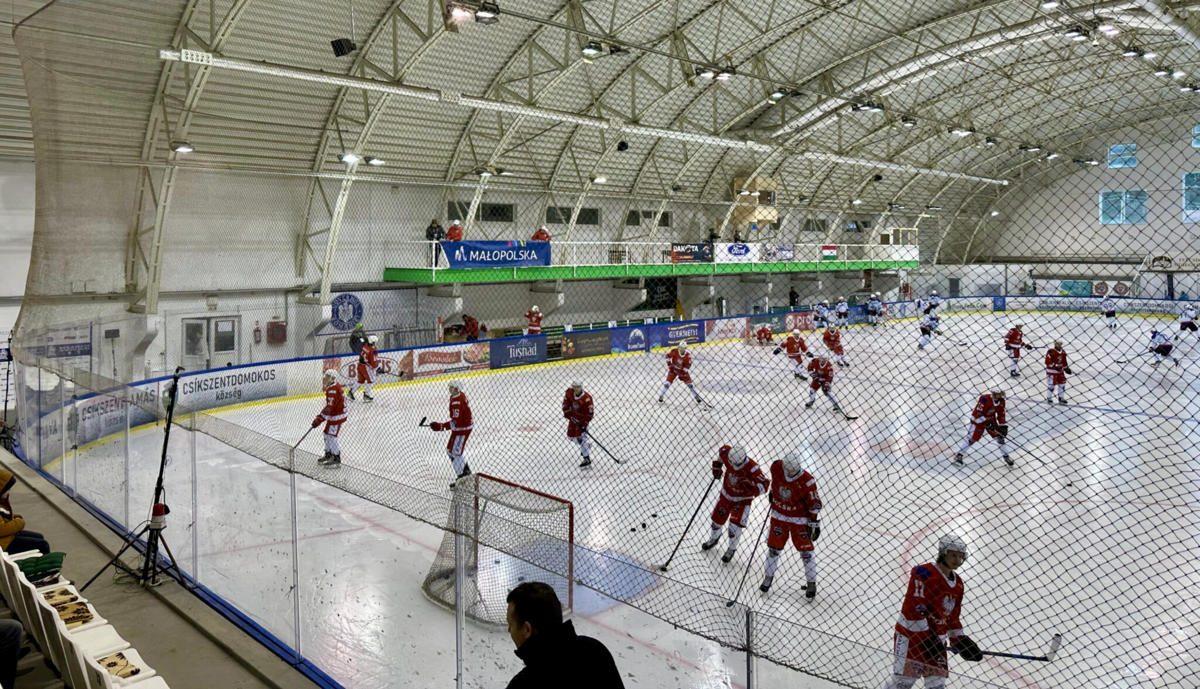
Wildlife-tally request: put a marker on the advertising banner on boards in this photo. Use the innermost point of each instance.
(584, 344)
(671, 334)
(692, 253)
(518, 351)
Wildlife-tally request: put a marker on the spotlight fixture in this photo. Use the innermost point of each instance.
(1161, 72)
(989, 141)
(868, 106)
(181, 147)
(343, 47)
(960, 132)
(484, 171)
(599, 179)
(1130, 52)
(350, 158)
(1083, 37)
(593, 49)
(725, 73)
(706, 72)
(1108, 29)
(1149, 54)
(856, 202)
(1028, 148)
(1052, 155)
(373, 161)
(1185, 87)
(460, 10)
(1177, 74)
(1049, 4)
(995, 213)
(488, 13)
(908, 122)
(1073, 32)
(1087, 161)
(776, 95)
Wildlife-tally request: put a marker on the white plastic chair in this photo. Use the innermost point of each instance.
(98, 678)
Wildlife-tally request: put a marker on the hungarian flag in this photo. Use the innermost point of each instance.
(829, 253)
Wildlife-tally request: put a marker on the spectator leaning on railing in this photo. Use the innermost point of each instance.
(554, 655)
(455, 233)
(542, 235)
(435, 233)
(13, 536)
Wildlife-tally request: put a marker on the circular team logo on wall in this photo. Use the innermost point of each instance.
(1100, 289)
(347, 311)
(1121, 289)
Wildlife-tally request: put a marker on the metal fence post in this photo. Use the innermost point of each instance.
(751, 679)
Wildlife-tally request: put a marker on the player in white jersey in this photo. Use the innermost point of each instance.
(929, 326)
(934, 301)
(1160, 344)
(1109, 308)
(1187, 320)
(821, 315)
(842, 310)
(922, 307)
(874, 309)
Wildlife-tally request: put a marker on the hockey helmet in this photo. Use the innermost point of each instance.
(373, 339)
(737, 456)
(841, 299)
(576, 385)
(793, 463)
(682, 345)
(329, 375)
(535, 309)
(1058, 344)
(1019, 326)
(455, 385)
(796, 332)
(455, 222)
(1153, 332)
(998, 393)
(950, 542)
(825, 302)
(933, 293)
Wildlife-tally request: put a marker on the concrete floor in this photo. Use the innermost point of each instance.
(188, 643)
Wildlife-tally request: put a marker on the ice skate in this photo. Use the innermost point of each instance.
(1008, 460)
(368, 398)
(727, 556)
(587, 462)
(333, 461)
(351, 394)
(810, 590)
(808, 405)
(958, 458)
(766, 585)
(1014, 374)
(325, 458)
(710, 543)
(660, 400)
(1062, 400)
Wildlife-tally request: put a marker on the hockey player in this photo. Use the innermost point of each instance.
(368, 366)
(1187, 320)
(795, 515)
(929, 326)
(922, 307)
(534, 316)
(1013, 342)
(874, 309)
(1161, 345)
(744, 481)
(1109, 308)
(929, 618)
(679, 364)
(934, 302)
(333, 415)
(796, 350)
(763, 335)
(842, 311)
(822, 377)
(833, 342)
(459, 425)
(578, 411)
(821, 314)
(1057, 371)
(988, 416)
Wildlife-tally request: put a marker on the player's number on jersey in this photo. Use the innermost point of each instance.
(919, 589)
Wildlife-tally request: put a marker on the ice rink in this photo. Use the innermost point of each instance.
(1081, 537)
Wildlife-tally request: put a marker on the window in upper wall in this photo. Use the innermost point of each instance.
(1191, 197)
(815, 225)
(1122, 155)
(1196, 136)
(497, 212)
(857, 225)
(635, 217)
(1123, 207)
(561, 215)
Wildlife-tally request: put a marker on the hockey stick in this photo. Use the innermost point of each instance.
(847, 416)
(683, 535)
(1055, 642)
(749, 562)
(310, 430)
(423, 422)
(1135, 356)
(605, 449)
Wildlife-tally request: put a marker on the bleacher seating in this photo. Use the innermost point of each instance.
(86, 651)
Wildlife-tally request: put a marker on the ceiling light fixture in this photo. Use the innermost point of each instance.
(599, 179)
(960, 132)
(1177, 74)
(995, 213)
(726, 72)
(1161, 72)
(856, 202)
(776, 95)
(373, 161)
(989, 141)
(706, 72)
(907, 122)
(181, 147)
(1149, 54)
(350, 158)
(459, 10)
(488, 13)
(592, 49)
(1052, 156)
(1049, 4)
(1087, 161)
(1029, 148)
(1130, 52)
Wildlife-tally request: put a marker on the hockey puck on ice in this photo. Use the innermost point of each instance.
(654, 514)
(643, 525)
(634, 529)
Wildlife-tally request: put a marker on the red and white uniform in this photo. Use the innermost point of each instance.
(796, 348)
(833, 341)
(1013, 342)
(821, 373)
(764, 334)
(1056, 364)
(679, 365)
(459, 425)
(368, 361)
(578, 411)
(795, 504)
(738, 489)
(987, 415)
(535, 322)
(333, 415)
(454, 233)
(931, 605)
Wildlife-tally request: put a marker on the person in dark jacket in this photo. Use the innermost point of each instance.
(435, 233)
(358, 337)
(555, 656)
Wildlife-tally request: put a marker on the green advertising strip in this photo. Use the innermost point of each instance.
(469, 275)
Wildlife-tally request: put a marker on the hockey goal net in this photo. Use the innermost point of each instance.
(511, 534)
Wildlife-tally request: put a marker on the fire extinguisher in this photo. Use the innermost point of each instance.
(257, 333)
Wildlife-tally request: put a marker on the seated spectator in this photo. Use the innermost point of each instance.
(11, 634)
(470, 327)
(554, 655)
(542, 235)
(455, 233)
(13, 536)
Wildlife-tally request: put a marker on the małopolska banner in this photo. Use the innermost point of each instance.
(518, 351)
(231, 386)
(497, 254)
(736, 253)
(671, 334)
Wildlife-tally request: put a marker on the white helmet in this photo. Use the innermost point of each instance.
(455, 222)
(796, 332)
(793, 464)
(682, 345)
(933, 293)
(737, 456)
(951, 542)
(373, 339)
(841, 299)
(455, 385)
(825, 302)
(575, 384)
(535, 309)
(329, 375)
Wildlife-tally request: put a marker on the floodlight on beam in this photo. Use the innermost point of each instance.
(376, 162)
(350, 158)
(488, 13)
(181, 147)
(592, 50)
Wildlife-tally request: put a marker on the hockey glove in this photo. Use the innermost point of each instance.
(814, 531)
(438, 426)
(810, 355)
(380, 370)
(1067, 370)
(317, 421)
(967, 649)
(716, 468)
(1028, 346)
(932, 647)
(1002, 429)
(777, 350)
(770, 497)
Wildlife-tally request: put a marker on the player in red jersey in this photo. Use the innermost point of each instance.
(679, 365)
(459, 425)
(929, 618)
(763, 335)
(534, 316)
(795, 515)
(333, 415)
(1013, 342)
(1057, 371)
(832, 337)
(578, 410)
(368, 363)
(796, 350)
(744, 481)
(822, 378)
(987, 416)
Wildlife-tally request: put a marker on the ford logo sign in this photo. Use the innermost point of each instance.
(738, 249)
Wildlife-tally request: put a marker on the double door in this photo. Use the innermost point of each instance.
(210, 342)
